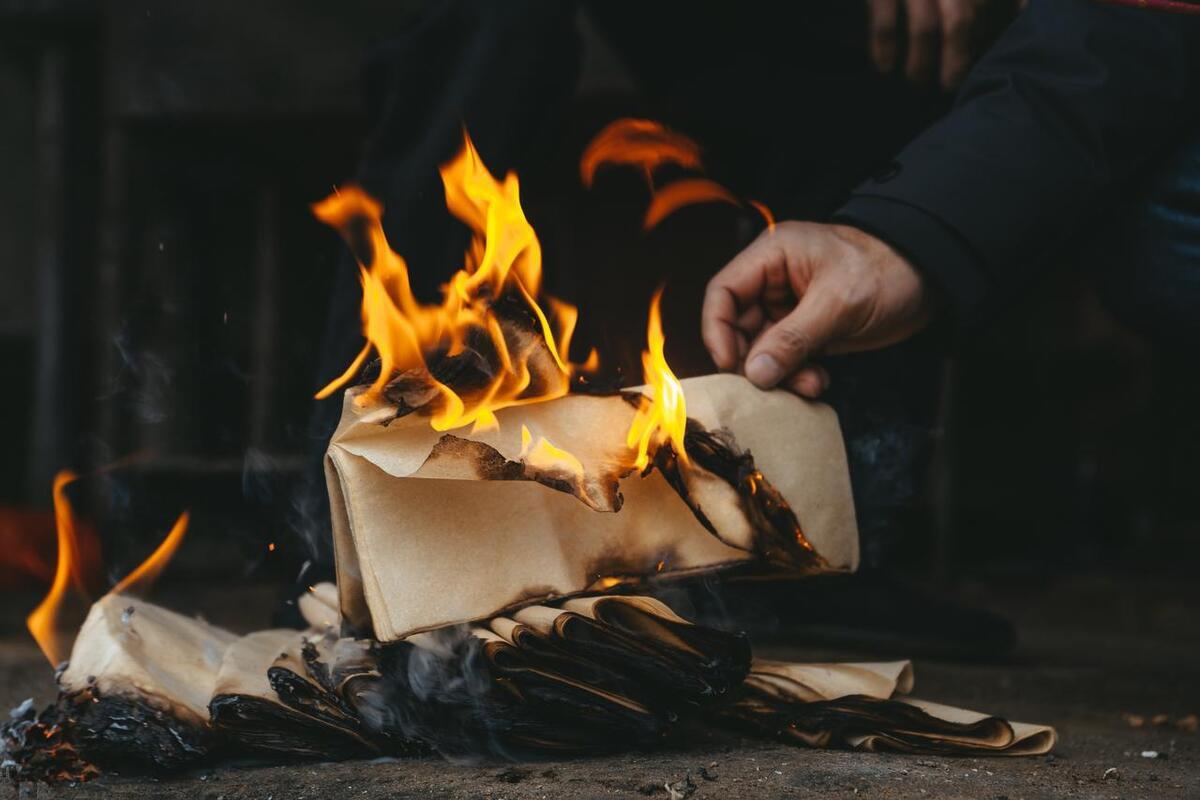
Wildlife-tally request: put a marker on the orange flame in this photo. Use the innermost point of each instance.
(43, 620)
(761, 208)
(663, 416)
(674, 196)
(546, 456)
(143, 577)
(607, 582)
(46, 621)
(648, 145)
(641, 143)
(504, 257)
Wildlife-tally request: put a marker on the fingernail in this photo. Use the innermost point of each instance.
(764, 371)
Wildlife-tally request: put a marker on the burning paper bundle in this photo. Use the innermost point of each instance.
(435, 462)
(493, 515)
(518, 527)
(148, 687)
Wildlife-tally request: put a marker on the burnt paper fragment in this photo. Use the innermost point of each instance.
(38, 746)
(250, 713)
(608, 674)
(778, 537)
(863, 707)
(888, 724)
(122, 731)
(455, 457)
(84, 733)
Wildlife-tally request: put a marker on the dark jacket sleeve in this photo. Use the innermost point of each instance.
(1073, 102)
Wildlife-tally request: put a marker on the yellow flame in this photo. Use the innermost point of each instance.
(46, 621)
(545, 455)
(603, 584)
(43, 621)
(145, 574)
(662, 416)
(504, 256)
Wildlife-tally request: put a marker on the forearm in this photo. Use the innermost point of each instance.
(1065, 111)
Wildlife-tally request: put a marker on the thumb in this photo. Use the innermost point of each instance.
(786, 345)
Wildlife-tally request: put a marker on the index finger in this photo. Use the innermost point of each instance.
(923, 21)
(956, 41)
(881, 31)
(742, 282)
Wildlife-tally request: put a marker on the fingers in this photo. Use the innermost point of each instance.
(786, 345)
(938, 41)
(810, 381)
(923, 31)
(733, 311)
(957, 24)
(718, 326)
(882, 17)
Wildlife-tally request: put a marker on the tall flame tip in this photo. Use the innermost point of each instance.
(662, 417)
(504, 256)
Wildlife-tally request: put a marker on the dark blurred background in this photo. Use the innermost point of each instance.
(165, 293)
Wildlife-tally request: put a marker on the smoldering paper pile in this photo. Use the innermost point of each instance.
(499, 521)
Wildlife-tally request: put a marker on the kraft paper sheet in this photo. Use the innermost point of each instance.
(431, 531)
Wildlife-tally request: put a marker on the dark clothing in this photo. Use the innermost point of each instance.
(1148, 254)
(1057, 123)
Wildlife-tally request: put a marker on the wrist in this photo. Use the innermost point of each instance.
(953, 276)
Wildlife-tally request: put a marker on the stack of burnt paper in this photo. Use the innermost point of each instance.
(487, 604)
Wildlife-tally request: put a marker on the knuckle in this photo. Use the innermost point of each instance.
(792, 339)
(846, 295)
(851, 289)
(790, 227)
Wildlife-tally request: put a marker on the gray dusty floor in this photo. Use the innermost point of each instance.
(1091, 651)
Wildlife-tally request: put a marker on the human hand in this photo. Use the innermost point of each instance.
(803, 290)
(941, 37)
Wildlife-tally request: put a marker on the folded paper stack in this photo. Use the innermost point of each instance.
(865, 707)
(151, 688)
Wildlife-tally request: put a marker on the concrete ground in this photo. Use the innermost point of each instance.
(1093, 651)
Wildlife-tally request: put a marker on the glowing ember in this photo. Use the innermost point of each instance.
(43, 621)
(604, 584)
(504, 259)
(546, 456)
(142, 578)
(662, 416)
